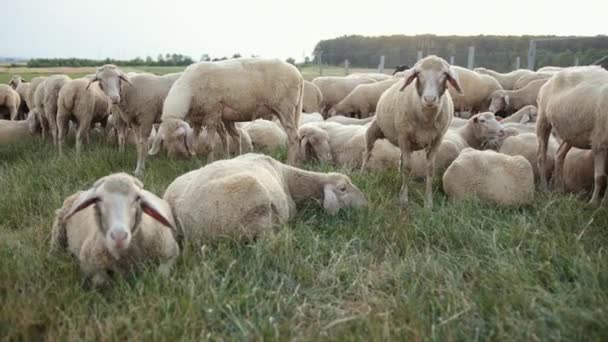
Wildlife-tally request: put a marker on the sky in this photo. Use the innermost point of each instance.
(125, 29)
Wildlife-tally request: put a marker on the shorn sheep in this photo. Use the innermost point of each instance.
(511, 101)
(415, 116)
(242, 197)
(242, 89)
(113, 226)
(362, 101)
(492, 177)
(9, 102)
(21, 87)
(574, 103)
(140, 99)
(335, 89)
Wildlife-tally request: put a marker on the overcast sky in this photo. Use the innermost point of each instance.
(129, 28)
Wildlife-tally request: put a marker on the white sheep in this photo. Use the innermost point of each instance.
(416, 117)
(526, 114)
(115, 225)
(242, 197)
(265, 135)
(12, 131)
(490, 176)
(335, 88)
(573, 103)
(526, 79)
(344, 120)
(476, 90)
(313, 97)
(210, 93)
(139, 99)
(362, 101)
(550, 69)
(38, 109)
(511, 101)
(22, 88)
(309, 117)
(9, 102)
(29, 98)
(506, 80)
(52, 86)
(376, 76)
(578, 171)
(526, 145)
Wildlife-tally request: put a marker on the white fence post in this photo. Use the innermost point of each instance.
(451, 60)
(471, 60)
(517, 62)
(320, 64)
(346, 69)
(381, 65)
(576, 61)
(419, 56)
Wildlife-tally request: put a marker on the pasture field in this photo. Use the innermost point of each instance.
(462, 271)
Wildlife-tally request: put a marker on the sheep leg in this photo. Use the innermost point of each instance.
(290, 125)
(53, 128)
(13, 111)
(82, 132)
(599, 173)
(235, 134)
(560, 157)
(221, 131)
(430, 173)
(372, 134)
(143, 132)
(543, 130)
(405, 168)
(62, 127)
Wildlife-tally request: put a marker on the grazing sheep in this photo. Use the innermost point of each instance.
(378, 77)
(335, 88)
(265, 135)
(578, 171)
(573, 103)
(52, 86)
(311, 103)
(490, 176)
(526, 145)
(507, 81)
(113, 226)
(510, 101)
(476, 89)
(211, 93)
(84, 103)
(416, 117)
(178, 139)
(242, 197)
(341, 119)
(22, 88)
(362, 101)
(139, 98)
(527, 114)
(9, 101)
(526, 79)
(12, 131)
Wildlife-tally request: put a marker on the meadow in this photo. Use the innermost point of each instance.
(461, 271)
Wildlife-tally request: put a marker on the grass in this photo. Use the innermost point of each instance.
(463, 271)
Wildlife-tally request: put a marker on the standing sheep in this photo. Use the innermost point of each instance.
(22, 88)
(312, 98)
(416, 117)
(9, 101)
(362, 101)
(507, 81)
(242, 197)
(39, 95)
(511, 101)
(335, 89)
(574, 103)
(52, 86)
(34, 83)
(237, 90)
(113, 226)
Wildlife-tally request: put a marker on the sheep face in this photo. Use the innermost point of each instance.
(486, 126)
(315, 143)
(432, 75)
(15, 81)
(340, 192)
(110, 78)
(177, 137)
(119, 202)
(498, 102)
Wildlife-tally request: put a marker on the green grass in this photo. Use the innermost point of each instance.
(463, 271)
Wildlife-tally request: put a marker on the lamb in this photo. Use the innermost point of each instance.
(511, 101)
(114, 226)
(10, 100)
(265, 135)
(507, 81)
(86, 104)
(22, 88)
(341, 119)
(416, 117)
(335, 88)
(12, 131)
(312, 98)
(52, 86)
(573, 103)
(139, 99)
(526, 79)
(526, 145)
(210, 93)
(492, 177)
(362, 101)
(477, 89)
(376, 76)
(240, 198)
(526, 114)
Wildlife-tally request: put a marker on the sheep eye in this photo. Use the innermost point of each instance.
(342, 188)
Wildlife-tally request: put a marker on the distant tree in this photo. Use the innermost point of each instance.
(291, 61)
(306, 60)
(149, 60)
(236, 55)
(205, 57)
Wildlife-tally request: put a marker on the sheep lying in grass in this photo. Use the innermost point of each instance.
(416, 117)
(265, 135)
(12, 131)
(490, 176)
(113, 226)
(242, 197)
(526, 145)
(578, 171)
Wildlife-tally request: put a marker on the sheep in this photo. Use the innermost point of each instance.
(335, 88)
(477, 89)
(400, 68)
(526, 114)
(39, 95)
(573, 103)
(177, 138)
(550, 69)
(511, 101)
(202, 148)
(52, 86)
(578, 171)
(265, 135)
(506, 80)
(362, 101)
(492, 177)
(309, 117)
(83, 102)
(22, 88)
(312, 98)
(416, 117)
(458, 122)
(240, 198)
(113, 226)
(209, 93)
(526, 79)
(139, 99)
(12, 131)
(10, 100)
(34, 83)
(526, 145)
(344, 120)
(378, 77)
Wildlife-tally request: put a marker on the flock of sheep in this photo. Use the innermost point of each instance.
(411, 120)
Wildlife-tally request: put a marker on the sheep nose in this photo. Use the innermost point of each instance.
(429, 98)
(115, 99)
(119, 235)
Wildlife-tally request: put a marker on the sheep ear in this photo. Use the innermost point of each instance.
(330, 200)
(475, 119)
(85, 200)
(156, 143)
(303, 143)
(188, 137)
(409, 79)
(94, 79)
(454, 81)
(148, 206)
(125, 78)
(525, 118)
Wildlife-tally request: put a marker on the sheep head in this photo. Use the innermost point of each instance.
(110, 78)
(314, 142)
(177, 137)
(16, 80)
(119, 201)
(339, 192)
(485, 126)
(499, 101)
